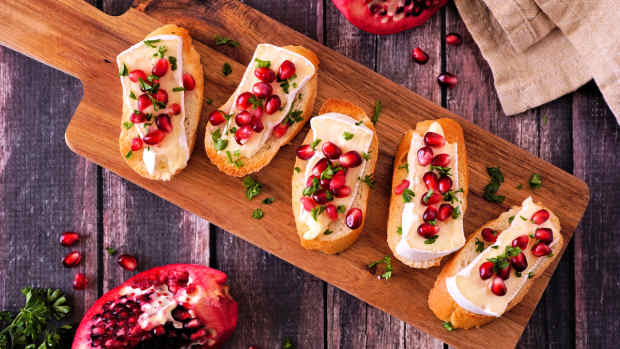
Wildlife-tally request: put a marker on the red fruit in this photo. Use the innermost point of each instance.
(188, 82)
(324, 183)
(454, 39)
(425, 155)
(112, 322)
(387, 16)
(137, 118)
(321, 197)
(430, 180)
(350, 159)
(545, 235)
(280, 130)
(265, 74)
(143, 102)
(332, 212)
(161, 67)
(257, 125)
(489, 235)
(519, 262)
(243, 101)
(272, 104)
(136, 75)
(429, 214)
(163, 123)
(447, 80)
(427, 230)
(419, 56)
(175, 108)
(342, 192)
(243, 134)
(445, 212)
(521, 242)
(442, 160)
(161, 96)
(354, 218)
(72, 259)
(431, 199)
(310, 180)
(136, 144)
(307, 203)
(286, 70)
(498, 287)
(433, 139)
(128, 262)
(504, 273)
(243, 118)
(541, 249)
(154, 137)
(216, 117)
(445, 183)
(320, 166)
(79, 281)
(486, 270)
(539, 217)
(69, 238)
(330, 150)
(257, 111)
(262, 90)
(338, 181)
(401, 187)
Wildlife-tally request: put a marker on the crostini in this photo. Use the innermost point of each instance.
(429, 194)
(163, 89)
(333, 177)
(269, 107)
(497, 266)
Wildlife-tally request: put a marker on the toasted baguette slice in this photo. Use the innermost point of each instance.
(446, 308)
(341, 237)
(192, 102)
(453, 134)
(269, 150)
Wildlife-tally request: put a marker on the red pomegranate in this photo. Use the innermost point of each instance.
(154, 137)
(354, 218)
(216, 117)
(338, 181)
(401, 187)
(342, 192)
(321, 197)
(128, 262)
(429, 214)
(137, 118)
(272, 104)
(442, 160)
(448, 80)
(519, 262)
(243, 134)
(265, 74)
(257, 125)
(505, 273)
(243, 118)
(445, 183)
(320, 166)
(307, 203)
(541, 249)
(136, 75)
(136, 144)
(72, 259)
(332, 212)
(454, 39)
(279, 130)
(175, 108)
(430, 198)
(203, 312)
(163, 123)
(350, 159)
(79, 281)
(262, 89)
(428, 230)
(243, 101)
(143, 102)
(161, 96)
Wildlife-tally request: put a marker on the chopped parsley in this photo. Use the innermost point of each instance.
(327, 232)
(510, 219)
(447, 325)
(387, 260)
(316, 211)
(348, 136)
(258, 213)
(523, 218)
(530, 275)
(450, 196)
(226, 69)
(375, 115)
(341, 208)
(431, 240)
(408, 194)
(173, 62)
(237, 161)
(405, 166)
(218, 142)
(479, 245)
(222, 40)
(308, 191)
(399, 230)
(456, 213)
(150, 43)
(535, 181)
(178, 89)
(132, 95)
(442, 171)
(161, 51)
(365, 156)
(111, 251)
(123, 71)
(502, 261)
(209, 101)
(262, 64)
(128, 155)
(369, 180)
(268, 201)
(315, 143)
(127, 125)
(518, 274)
(330, 171)
(297, 169)
(490, 190)
(287, 83)
(252, 187)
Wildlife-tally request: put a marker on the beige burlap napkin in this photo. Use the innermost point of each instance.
(540, 50)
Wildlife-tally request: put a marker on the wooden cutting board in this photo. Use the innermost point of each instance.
(82, 41)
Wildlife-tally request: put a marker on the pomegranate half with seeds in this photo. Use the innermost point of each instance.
(174, 306)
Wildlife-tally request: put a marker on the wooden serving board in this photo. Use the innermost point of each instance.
(82, 41)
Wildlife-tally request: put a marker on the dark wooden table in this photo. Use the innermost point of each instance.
(45, 189)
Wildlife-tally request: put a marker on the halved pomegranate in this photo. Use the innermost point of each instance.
(174, 306)
(388, 16)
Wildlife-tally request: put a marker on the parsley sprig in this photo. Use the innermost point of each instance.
(490, 191)
(502, 261)
(252, 187)
(387, 260)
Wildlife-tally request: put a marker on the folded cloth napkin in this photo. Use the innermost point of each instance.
(540, 50)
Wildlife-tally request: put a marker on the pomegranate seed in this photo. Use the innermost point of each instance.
(350, 159)
(287, 69)
(330, 150)
(498, 287)
(161, 96)
(243, 101)
(72, 259)
(305, 152)
(430, 198)
(504, 273)
(427, 230)
(265, 74)
(338, 181)
(429, 214)
(163, 123)
(425, 156)
(419, 56)
(216, 117)
(445, 212)
(79, 281)
(69, 238)
(489, 235)
(154, 137)
(308, 203)
(539, 217)
(343, 191)
(257, 112)
(445, 184)
(401, 187)
(332, 212)
(354, 218)
(143, 102)
(521, 242)
(180, 314)
(257, 125)
(310, 180)
(540, 249)
(262, 89)
(188, 82)
(320, 166)
(137, 118)
(280, 130)
(175, 108)
(128, 262)
(519, 262)
(442, 160)
(243, 118)
(136, 144)
(321, 197)
(161, 67)
(447, 80)
(430, 180)
(243, 134)
(545, 235)
(454, 39)
(324, 183)
(136, 75)
(433, 139)
(486, 270)
(272, 104)
(159, 331)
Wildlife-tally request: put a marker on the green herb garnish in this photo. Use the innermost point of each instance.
(132, 95)
(408, 194)
(258, 213)
(375, 115)
(369, 180)
(510, 219)
(252, 187)
(447, 325)
(535, 181)
(297, 169)
(479, 245)
(268, 201)
(173, 62)
(262, 64)
(127, 125)
(226, 69)
(128, 155)
(341, 208)
(490, 190)
(502, 261)
(123, 71)
(178, 89)
(327, 232)
(405, 166)
(388, 267)
(399, 230)
(315, 143)
(218, 142)
(431, 240)
(348, 135)
(221, 40)
(111, 251)
(150, 43)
